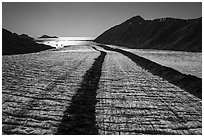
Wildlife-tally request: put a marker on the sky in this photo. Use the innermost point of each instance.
(86, 19)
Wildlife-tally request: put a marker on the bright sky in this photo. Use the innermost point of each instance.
(85, 19)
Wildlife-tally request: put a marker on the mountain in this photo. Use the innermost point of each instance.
(164, 34)
(25, 36)
(13, 43)
(47, 36)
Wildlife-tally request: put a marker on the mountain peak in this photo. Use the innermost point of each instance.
(25, 36)
(47, 36)
(171, 34)
(135, 19)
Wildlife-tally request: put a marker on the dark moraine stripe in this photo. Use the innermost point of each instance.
(79, 117)
(189, 83)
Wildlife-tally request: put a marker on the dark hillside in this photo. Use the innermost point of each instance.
(13, 43)
(164, 34)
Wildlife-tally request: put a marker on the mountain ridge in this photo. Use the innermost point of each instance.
(13, 43)
(163, 34)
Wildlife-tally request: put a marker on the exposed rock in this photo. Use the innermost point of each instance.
(13, 43)
(25, 36)
(164, 34)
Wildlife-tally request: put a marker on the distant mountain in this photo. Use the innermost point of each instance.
(13, 43)
(47, 36)
(164, 34)
(25, 36)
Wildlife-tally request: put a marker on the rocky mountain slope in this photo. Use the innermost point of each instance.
(164, 34)
(13, 43)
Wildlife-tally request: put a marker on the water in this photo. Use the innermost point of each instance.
(65, 41)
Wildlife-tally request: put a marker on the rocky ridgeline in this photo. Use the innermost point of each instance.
(163, 34)
(13, 43)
